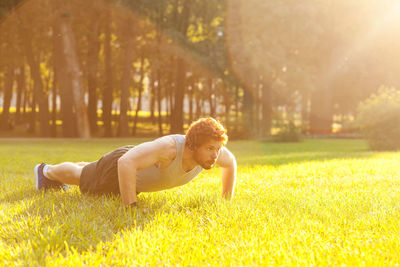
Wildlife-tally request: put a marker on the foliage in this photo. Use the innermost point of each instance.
(279, 53)
(6, 6)
(319, 202)
(288, 132)
(379, 119)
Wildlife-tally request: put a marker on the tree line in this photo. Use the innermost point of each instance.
(85, 66)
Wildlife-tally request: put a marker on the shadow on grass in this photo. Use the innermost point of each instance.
(50, 220)
(54, 218)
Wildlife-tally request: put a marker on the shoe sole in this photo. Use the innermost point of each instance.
(37, 176)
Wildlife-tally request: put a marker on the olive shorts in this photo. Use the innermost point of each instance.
(101, 177)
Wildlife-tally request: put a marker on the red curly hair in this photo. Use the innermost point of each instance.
(204, 129)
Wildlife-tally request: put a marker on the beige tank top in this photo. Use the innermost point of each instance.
(155, 179)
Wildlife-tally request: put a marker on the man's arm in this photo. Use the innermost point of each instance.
(140, 157)
(226, 160)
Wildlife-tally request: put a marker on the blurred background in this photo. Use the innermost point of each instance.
(264, 68)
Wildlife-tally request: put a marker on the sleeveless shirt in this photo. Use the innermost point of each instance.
(153, 178)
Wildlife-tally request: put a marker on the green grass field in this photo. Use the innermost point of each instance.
(319, 202)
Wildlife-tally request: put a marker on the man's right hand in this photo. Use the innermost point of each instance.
(141, 157)
(132, 205)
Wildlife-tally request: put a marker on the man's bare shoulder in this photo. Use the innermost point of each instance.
(168, 146)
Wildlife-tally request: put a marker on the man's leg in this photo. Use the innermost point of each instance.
(66, 172)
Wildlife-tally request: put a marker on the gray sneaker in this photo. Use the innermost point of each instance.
(42, 183)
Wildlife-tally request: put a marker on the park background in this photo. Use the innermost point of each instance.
(87, 77)
(147, 68)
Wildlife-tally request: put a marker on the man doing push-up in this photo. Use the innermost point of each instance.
(166, 162)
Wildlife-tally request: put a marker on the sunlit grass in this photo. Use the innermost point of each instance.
(320, 202)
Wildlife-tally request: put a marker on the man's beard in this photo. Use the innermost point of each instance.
(204, 164)
(206, 167)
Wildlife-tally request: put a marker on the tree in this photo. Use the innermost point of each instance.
(73, 70)
(34, 65)
(126, 78)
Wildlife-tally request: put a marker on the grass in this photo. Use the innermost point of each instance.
(319, 202)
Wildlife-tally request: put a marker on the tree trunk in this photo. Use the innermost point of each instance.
(211, 97)
(108, 89)
(170, 104)
(72, 66)
(20, 91)
(257, 107)
(93, 58)
(266, 110)
(139, 102)
(28, 100)
(248, 114)
(152, 93)
(321, 108)
(177, 112)
(198, 106)
(170, 89)
(236, 104)
(159, 102)
(228, 103)
(63, 82)
(138, 108)
(32, 115)
(152, 105)
(54, 110)
(5, 123)
(304, 111)
(123, 130)
(24, 105)
(40, 97)
(47, 89)
(321, 111)
(191, 103)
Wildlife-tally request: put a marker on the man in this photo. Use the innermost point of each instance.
(166, 162)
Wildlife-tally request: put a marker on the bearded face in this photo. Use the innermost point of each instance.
(206, 155)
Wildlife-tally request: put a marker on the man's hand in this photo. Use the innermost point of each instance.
(141, 157)
(226, 160)
(127, 181)
(132, 205)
